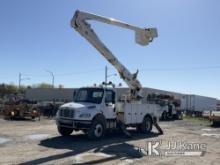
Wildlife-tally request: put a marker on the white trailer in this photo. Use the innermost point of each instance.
(196, 103)
(218, 105)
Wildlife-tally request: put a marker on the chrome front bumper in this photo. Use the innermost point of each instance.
(75, 124)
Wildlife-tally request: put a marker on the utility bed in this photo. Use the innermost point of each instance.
(133, 113)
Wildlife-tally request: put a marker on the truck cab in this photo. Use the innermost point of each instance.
(90, 104)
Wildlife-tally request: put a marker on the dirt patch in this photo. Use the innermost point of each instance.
(38, 142)
(37, 136)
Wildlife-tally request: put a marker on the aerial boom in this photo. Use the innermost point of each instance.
(142, 36)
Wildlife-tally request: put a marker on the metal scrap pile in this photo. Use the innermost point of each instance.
(21, 109)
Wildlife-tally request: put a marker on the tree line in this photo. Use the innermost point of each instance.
(7, 89)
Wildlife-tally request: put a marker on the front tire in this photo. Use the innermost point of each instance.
(97, 129)
(65, 131)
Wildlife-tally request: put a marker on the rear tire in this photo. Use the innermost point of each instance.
(65, 131)
(164, 115)
(179, 116)
(146, 125)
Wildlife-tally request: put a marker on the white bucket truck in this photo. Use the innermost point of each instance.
(96, 109)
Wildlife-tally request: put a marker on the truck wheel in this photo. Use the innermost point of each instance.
(215, 123)
(146, 125)
(85, 131)
(97, 129)
(64, 131)
(179, 116)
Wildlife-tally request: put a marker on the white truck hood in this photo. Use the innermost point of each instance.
(81, 108)
(79, 105)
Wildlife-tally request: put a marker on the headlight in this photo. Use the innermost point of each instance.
(12, 113)
(85, 115)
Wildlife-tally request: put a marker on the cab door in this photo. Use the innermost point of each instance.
(109, 107)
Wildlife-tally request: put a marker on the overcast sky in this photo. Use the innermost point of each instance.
(35, 35)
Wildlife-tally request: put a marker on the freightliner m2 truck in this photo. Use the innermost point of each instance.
(96, 109)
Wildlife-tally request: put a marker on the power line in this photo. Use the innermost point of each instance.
(142, 69)
(78, 73)
(181, 68)
(67, 74)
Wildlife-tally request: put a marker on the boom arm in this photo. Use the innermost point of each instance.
(142, 36)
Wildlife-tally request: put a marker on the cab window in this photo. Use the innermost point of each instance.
(109, 97)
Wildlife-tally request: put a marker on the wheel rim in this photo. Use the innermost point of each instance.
(98, 130)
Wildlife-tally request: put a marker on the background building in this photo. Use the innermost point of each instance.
(218, 105)
(188, 102)
(63, 94)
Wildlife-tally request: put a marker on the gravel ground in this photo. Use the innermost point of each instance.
(37, 142)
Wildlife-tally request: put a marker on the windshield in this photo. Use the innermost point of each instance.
(91, 95)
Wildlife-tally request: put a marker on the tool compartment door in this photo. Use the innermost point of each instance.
(124, 112)
(128, 113)
(136, 109)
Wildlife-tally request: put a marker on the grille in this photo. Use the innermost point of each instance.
(67, 113)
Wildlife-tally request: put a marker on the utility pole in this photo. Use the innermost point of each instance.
(21, 79)
(52, 75)
(106, 75)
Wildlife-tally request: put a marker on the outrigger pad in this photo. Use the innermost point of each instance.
(158, 128)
